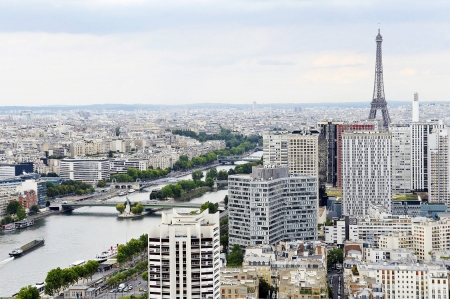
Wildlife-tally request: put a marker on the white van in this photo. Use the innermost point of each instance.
(121, 286)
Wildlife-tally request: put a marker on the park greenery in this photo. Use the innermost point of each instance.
(231, 139)
(133, 174)
(34, 209)
(264, 288)
(126, 252)
(335, 255)
(15, 212)
(184, 163)
(236, 257)
(136, 209)
(177, 190)
(212, 207)
(50, 174)
(68, 187)
(59, 279)
(139, 269)
(221, 175)
(244, 168)
(144, 276)
(224, 233)
(101, 184)
(28, 292)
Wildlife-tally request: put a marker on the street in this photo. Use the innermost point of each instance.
(138, 283)
(336, 281)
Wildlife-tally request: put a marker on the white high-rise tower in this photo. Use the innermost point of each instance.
(366, 171)
(184, 256)
(415, 108)
(439, 167)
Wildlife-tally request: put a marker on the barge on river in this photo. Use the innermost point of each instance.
(27, 248)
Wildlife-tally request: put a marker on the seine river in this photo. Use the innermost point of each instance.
(69, 237)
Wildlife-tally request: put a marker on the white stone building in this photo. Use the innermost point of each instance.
(184, 256)
(366, 171)
(269, 205)
(88, 170)
(439, 167)
(401, 158)
(419, 152)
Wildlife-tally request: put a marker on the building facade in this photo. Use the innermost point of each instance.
(341, 129)
(89, 170)
(269, 205)
(401, 158)
(366, 170)
(419, 153)
(184, 256)
(275, 148)
(303, 154)
(439, 167)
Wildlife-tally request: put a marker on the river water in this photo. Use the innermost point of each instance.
(78, 235)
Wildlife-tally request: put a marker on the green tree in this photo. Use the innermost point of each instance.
(225, 200)
(21, 213)
(212, 173)
(69, 276)
(28, 292)
(117, 131)
(101, 184)
(120, 207)
(197, 175)
(212, 207)
(53, 281)
(91, 267)
(265, 288)
(33, 210)
(236, 257)
(144, 241)
(80, 270)
(145, 276)
(330, 291)
(12, 207)
(222, 175)
(137, 209)
(79, 192)
(133, 172)
(335, 255)
(209, 182)
(167, 191)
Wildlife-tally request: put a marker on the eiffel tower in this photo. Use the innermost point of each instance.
(378, 100)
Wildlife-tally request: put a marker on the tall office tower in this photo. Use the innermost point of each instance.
(439, 166)
(254, 106)
(366, 171)
(378, 99)
(328, 151)
(415, 108)
(275, 148)
(269, 205)
(419, 153)
(184, 256)
(401, 158)
(349, 127)
(303, 153)
(297, 150)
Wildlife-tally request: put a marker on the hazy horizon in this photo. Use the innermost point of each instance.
(81, 52)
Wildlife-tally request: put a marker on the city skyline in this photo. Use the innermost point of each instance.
(173, 52)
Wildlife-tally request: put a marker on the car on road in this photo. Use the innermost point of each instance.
(113, 291)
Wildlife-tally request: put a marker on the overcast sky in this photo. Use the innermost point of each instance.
(175, 52)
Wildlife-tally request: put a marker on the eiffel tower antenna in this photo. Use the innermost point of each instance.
(378, 100)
